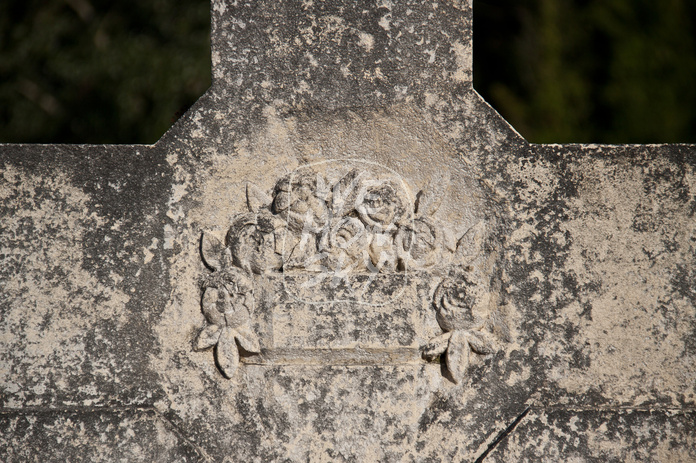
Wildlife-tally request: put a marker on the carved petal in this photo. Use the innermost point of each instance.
(436, 346)
(480, 342)
(208, 337)
(227, 354)
(458, 352)
(247, 339)
(256, 198)
(212, 251)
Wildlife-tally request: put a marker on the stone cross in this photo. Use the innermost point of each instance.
(342, 253)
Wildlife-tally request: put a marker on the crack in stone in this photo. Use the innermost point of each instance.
(503, 434)
(179, 433)
(150, 411)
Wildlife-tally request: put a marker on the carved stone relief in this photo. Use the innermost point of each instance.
(346, 229)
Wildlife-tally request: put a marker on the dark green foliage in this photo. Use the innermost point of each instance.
(611, 71)
(96, 71)
(92, 71)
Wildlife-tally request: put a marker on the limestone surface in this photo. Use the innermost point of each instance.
(342, 253)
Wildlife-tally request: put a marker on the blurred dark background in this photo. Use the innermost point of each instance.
(606, 71)
(100, 71)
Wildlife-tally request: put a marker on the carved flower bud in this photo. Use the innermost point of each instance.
(225, 292)
(214, 304)
(460, 303)
(236, 281)
(252, 242)
(296, 199)
(418, 245)
(380, 205)
(238, 315)
(240, 288)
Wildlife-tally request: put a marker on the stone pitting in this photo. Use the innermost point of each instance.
(553, 282)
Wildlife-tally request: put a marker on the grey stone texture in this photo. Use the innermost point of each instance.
(547, 311)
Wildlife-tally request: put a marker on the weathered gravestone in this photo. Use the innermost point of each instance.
(341, 253)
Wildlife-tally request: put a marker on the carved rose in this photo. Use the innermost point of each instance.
(295, 198)
(251, 239)
(356, 224)
(459, 302)
(418, 245)
(461, 305)
(226, 303)
(380, 205)
(346, 244)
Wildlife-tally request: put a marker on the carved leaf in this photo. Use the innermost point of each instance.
(436, 346)
(428, 201)
(226, 353)
(470, 245)
(419, 203)
(247, 339)
(345, 193)
(449, 240)
(208, 337)
(212, 251)
(256, 198)
(480, 342)
(499, 325)
(458, 352)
